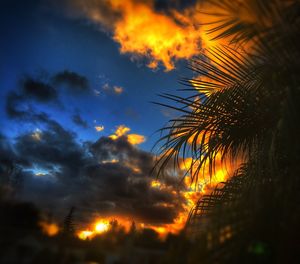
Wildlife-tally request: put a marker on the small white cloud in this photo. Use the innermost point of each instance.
(109, 89)
(97, 92)
(106, 87)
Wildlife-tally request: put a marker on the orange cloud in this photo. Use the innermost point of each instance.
(121, 130)
(134, 139)
(162, 37)
(99, 128)
(118, 89)
(159, 37)
(144, 32)
(50, 229)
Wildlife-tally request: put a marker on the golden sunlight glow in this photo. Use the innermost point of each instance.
(144, 32)
(192, 192)
(50, 229)
(101, 226)
(161, 37)
(110, 161)
(164, 38)
(120, 131)
(118, 89)
(133, 139)
(99, 128)
(85, 234)
(155, 184)
(173, 228)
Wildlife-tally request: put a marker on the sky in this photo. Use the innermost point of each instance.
(77, 81)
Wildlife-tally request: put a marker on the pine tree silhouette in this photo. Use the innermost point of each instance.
(69, 226)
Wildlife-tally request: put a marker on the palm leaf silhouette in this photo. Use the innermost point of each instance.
(245, 103)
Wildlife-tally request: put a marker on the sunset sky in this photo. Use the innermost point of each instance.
(77, 81)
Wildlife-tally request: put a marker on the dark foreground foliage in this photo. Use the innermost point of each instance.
(248, 108)
(22, 241)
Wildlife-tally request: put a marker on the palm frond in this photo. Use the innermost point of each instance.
(228, 121)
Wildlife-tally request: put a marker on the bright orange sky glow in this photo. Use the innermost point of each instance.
(162, 38)
(144, 32)
(192, 194)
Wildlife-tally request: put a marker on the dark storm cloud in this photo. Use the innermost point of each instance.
(134, 194)
(72, 80)
(45, 91)
(85, 176)
(13, 105)
(108, 177)
(106, 148)
(77, 119)
(53, 147)
(38, 90)
(18, 101)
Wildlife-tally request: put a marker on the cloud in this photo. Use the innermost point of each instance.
(53, 147)
(99, 128)
(96, 92)
(115, 90)
(125, 183)
(122, 131)
(107, 177)
(159, 31)
(29, 90)
(13, 105)
(118, 89)
(38, 90)
(135, 139)
(77, 119)
(72, 80)
(45, 91)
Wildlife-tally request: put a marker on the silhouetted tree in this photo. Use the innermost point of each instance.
(69, 226)
(245, 103)
(132, 229)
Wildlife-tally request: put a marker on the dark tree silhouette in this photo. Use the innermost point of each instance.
(69, 226)
(245, 104)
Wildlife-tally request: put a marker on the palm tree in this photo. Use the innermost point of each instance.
(244, 105)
